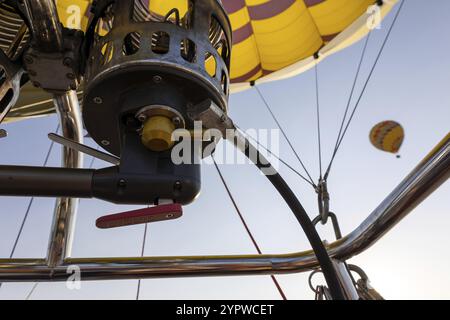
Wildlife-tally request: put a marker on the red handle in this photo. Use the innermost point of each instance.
(140, 216)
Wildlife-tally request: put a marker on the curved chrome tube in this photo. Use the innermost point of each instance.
(46, 27)
(61, 237)
(47, 33)
(431, 173)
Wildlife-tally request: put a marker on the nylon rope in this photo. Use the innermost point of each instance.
(244, 223)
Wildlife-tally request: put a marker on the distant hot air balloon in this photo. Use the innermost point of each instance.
(387, 136)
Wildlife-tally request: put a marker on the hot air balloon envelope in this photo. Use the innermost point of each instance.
(272, 39)
(387, 136)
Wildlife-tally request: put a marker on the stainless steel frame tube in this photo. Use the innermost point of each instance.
(432, 172)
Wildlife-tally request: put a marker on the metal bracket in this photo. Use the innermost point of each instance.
(211, 116)
(84, 149)
(56, 72)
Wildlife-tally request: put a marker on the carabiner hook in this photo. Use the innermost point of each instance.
(334, 221)
(323, 199)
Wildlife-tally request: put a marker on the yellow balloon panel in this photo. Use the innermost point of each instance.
(163, 6)
(73, 14)
(268, 35)
(387, 136)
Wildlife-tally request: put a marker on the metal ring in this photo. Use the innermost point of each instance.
(360, 272)
(166, 111)
(310, 280)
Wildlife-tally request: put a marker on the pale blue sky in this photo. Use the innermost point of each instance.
(410, 86)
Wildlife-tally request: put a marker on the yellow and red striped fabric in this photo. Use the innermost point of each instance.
(387, 136)
(268, 35)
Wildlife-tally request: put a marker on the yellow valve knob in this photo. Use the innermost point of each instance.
(157, 133)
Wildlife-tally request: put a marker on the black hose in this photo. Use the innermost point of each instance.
(294, 204)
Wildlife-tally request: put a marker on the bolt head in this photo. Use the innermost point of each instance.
(67, 62)
(106, 142)
(176, 121)
(142, 117)
(157, 79)
(177, 185)
(98, 100)
(122, 183)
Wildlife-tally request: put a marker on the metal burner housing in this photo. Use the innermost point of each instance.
(140, 59)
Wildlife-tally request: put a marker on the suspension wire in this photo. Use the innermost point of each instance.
(386, 39)
(28, 297)
(144, 238)
(91, 164)
(244, 223)
(275, 156)
(347, 108)
(284, 134)
(30, 203)
(319, 138)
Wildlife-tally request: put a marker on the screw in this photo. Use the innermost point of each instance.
(177, 185)
(122, 183)
(142, 117)
(37, 84)
(67, 61)
(176, 121)
(157, 79)
(106, 142)
(98, 100)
